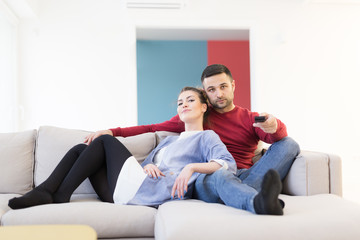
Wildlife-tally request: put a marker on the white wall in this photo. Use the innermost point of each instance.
(78, 67)
(8, 63)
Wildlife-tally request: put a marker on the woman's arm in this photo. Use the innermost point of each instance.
(181, 182)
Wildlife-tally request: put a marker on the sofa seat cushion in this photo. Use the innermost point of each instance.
(17, 161)
(305, 217)
(4, 199)
(109, 220)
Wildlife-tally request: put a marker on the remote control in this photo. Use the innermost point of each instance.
(260, 119)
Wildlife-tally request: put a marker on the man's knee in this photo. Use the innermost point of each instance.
(286, 145)
(207, 186)
(222, 177)
(215, 178)
(291, 145)
(200, 181)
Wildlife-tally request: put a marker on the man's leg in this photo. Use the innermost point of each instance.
(224, 187)
(279, 157)
(261, 185)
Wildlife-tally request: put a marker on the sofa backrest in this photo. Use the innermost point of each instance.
(28, 158)
(16, 161)
(52, 143)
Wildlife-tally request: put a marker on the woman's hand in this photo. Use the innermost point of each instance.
(181, 182)
(153, 171)
(89, 138)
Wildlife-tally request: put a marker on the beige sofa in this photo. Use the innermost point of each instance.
(312, 193)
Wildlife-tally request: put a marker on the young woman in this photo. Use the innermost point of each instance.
(168, 172)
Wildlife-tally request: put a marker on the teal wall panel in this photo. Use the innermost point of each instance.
(163, 69)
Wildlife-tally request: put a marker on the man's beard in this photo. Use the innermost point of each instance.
(222, 105)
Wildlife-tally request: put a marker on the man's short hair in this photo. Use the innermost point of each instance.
(215, 69)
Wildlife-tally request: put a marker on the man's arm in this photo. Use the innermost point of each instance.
(270, 131)
(172, 125)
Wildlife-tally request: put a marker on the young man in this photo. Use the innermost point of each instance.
(255, 187)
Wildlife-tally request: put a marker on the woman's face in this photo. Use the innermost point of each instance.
(190, 108)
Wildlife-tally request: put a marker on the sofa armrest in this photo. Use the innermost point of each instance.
(314, 173)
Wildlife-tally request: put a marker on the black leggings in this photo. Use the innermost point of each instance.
(101, 162)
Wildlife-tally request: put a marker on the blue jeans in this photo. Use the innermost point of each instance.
(239, 190)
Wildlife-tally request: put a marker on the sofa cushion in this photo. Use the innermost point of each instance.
(53, 143)
(321, 217)
(109, 220)
(4, 200)
(17, 161)
(161, 135)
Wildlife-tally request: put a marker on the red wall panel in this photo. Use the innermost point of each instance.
(235, 55)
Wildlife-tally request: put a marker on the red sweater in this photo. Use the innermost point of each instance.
(235, 129)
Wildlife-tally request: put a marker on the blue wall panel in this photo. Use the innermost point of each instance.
(163, 69)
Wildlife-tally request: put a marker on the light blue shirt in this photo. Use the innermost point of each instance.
(201, 147)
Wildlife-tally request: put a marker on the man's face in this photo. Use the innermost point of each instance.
(220, 91)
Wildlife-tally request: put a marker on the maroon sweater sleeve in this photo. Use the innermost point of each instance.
(172, 125)
(280, 133)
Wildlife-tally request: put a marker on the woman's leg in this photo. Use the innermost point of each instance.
(101, 162)
(42, 194)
